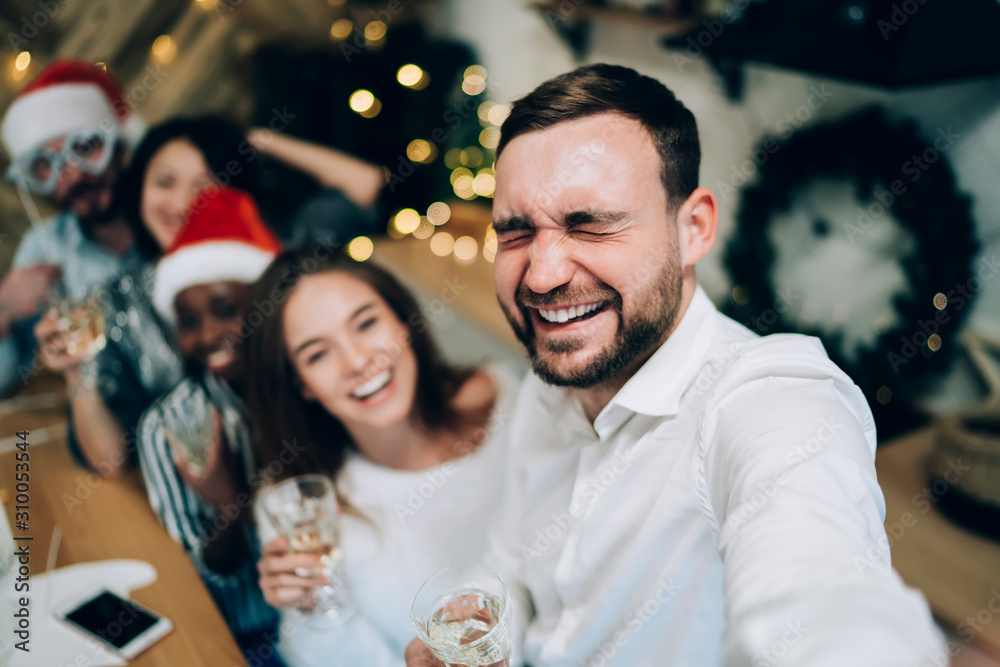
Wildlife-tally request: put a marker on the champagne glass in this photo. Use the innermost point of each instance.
(305, 512)
(81, 320)
(190, 427)
(462, 614)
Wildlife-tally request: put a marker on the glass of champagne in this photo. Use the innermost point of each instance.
(190, 427)
(462, 614)
(81, 322)
(305, 512)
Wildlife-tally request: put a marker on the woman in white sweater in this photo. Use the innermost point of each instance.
(345, 370)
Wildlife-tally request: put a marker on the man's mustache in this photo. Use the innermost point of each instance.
(562, 296)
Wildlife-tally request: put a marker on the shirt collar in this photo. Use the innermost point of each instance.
(657, 387)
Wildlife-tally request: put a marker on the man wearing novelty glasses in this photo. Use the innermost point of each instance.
(63, 134)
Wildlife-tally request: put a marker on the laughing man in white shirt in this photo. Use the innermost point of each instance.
(682, 492)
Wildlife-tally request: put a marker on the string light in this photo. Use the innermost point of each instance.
(484, 183)
(424, 230)
(360, 248)
(365, 103)
(458, 173)
(884, 395)
(741, 295)
(934, 342)
(453, 158)
(412, 76)
(102, 65)
(464, 187)
(164, 49)
(474, 81)
(472, 156)
(421, 151)
(466, 248)
(341, 28)
(442, 244)
(490, 138)
(375, 32)
(498, 114)
(22, 61)
(484, 111)
(940, 301)
(438, 213)
(392, 231)
(490, 245)
(407, 220)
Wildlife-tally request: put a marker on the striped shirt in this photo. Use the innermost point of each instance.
(191, 521)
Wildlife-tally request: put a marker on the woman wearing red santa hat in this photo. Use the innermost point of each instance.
(195, 449)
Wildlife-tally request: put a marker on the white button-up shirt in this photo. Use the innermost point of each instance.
(721, 510)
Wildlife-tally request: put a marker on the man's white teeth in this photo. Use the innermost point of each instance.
(567, 314)
(373, 385)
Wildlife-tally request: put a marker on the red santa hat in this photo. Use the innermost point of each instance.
(68, 95)
(223, 239)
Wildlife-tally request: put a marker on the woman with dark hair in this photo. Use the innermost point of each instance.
(344, 368)
(174, 163)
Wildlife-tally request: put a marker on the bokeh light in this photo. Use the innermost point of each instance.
(442, 244)
(407, 220)
(438, 213)
(360, 248)
(341, 28)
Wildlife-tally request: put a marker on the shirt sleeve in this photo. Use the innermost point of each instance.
(807, 575)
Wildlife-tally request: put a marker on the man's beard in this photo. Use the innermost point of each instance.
(633, 338)
(88, 186)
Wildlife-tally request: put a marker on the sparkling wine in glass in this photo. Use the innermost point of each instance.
(305, 512)
(462, 614)
(190, 425)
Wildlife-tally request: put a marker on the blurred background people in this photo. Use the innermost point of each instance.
(174, 163)
(65, 135)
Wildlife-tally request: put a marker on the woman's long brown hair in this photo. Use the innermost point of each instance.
(295, 436)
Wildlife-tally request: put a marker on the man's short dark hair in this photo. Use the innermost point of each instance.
(596, 89)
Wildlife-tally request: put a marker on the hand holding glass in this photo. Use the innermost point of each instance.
(462, 614)
(304, 511)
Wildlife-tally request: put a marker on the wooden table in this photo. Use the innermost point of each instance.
(958, 571)
(113, 520)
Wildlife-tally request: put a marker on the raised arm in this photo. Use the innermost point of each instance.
(791, 482)
(360, 181)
